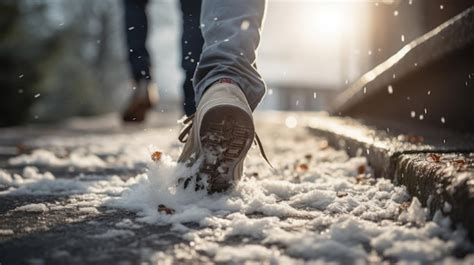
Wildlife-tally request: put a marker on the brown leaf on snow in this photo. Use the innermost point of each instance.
(156, 156)
(361, 169)
(163, 209)
(459, 164)
(308, 156)
(302, 168)
(434, 157)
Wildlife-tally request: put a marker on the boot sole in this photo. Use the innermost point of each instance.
(226, 134)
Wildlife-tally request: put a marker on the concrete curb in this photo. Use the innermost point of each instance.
(437, 168)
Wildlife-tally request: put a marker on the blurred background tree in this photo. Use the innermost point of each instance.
(59, 59)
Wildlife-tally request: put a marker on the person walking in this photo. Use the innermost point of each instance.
(145, 94)
(228, 88)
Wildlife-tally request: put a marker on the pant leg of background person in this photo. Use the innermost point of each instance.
(136, 30)
(191, 47)
(231, 31)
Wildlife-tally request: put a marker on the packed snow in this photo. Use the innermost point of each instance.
(317, 206)
(34, 208)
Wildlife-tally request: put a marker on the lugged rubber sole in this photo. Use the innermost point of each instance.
(226, 134)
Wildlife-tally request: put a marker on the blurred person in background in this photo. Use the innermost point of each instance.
(145, 93)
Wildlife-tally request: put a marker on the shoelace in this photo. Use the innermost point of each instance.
(188, 124)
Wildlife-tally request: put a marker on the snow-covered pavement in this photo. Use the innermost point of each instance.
(94, 198)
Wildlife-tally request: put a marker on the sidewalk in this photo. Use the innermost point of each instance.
(100, 204)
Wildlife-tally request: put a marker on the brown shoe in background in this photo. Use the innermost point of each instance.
(144, 97)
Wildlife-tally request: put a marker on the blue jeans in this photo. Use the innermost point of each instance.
(231, 31)
(136, 29)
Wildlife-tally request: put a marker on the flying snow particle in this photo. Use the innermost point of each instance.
(403, 38)
(421, 117)
(131, 28)
(270, 91)
(413, 114)
(365, 90)
(395, 13)
(245, 25)
(441, 7)
(20, 76)
(390, 89)
(315, 95)
(443, 120)
(37, 95)
(429, 92)
(215, 19)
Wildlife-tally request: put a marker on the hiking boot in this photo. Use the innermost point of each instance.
(144, 97)
(221, 134)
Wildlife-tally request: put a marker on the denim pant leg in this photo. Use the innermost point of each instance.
(191, 48)
(136, 30)
(231, 31)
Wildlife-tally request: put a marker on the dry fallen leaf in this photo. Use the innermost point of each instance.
(459, 164)
(308, 156)
(302, 168)
(434, 157)
(163, 209)
(361, 169)
(156, 156)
